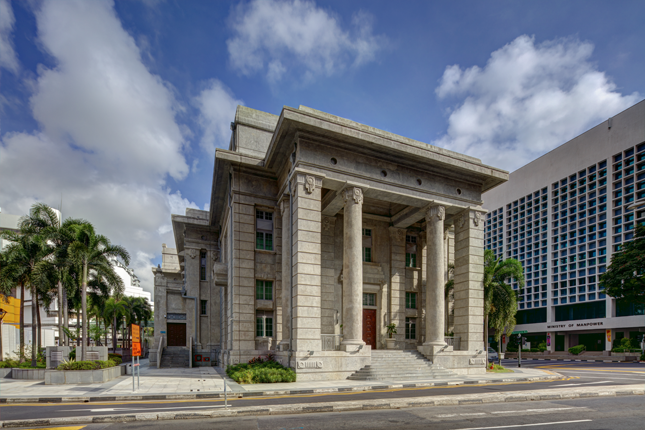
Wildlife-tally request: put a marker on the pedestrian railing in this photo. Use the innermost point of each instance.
(331, 342)
(453, 341)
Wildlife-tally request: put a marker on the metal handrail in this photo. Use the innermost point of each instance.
(159, 351)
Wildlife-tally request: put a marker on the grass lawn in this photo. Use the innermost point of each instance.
(498, 369)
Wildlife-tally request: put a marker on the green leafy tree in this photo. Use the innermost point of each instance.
(93, 252)
(113, 311)
(500, 302)
(625, 277)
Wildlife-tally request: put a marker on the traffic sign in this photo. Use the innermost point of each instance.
(520, 332)
(136, 349)
(136, 333)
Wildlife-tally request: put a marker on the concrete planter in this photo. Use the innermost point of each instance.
(391, 343)
(5, 373)
(34, 374)
(57, 377)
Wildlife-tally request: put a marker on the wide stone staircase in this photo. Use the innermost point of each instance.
(392, 364)
(174, 356)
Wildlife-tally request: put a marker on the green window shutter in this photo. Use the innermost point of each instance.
(413, 260)
(413, 330)
(268, 290)
(413, 300)
(259, 290)
(407, 328)
(407, 259)
(259, 240)
(269, 242)
(269, 324)
(367, 255)
(407, 300)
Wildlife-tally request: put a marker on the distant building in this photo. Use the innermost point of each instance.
(563, 216)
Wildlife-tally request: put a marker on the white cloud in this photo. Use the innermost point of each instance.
(527, 100)
(217, 107)
(8, 58)
(108, 136)
(277, 36)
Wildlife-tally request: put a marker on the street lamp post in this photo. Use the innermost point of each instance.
(519, 350)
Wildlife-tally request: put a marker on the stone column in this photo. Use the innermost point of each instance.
(191, 274)
(397, 282)
(286, 276)
(435, 303)
(352, 269)
(469, 279)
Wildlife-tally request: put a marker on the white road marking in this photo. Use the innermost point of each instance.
(537, 410)
(527, 425)
(575, 385)
(140, 409)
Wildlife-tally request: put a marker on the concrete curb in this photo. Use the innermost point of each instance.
(466, 399)
(238, 394)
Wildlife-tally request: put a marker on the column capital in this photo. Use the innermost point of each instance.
(436, 213)
(465, 217)
(328, 223)
(353, 193)
(309, 181)
(284, 206)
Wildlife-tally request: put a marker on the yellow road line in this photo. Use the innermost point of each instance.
(60, 428)
(563, 367)
(234, 398)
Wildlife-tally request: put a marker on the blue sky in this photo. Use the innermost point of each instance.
(119, 106)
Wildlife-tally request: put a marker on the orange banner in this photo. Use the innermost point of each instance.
(136, 349)
(136, 333)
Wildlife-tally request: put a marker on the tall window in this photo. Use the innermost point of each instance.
(410, 300)
(264, 230)
(264, 324)
(367, 245)
(411, 251)
(369, 299)
(204, 304)
(264, 290)
(410, 328)
(202, 265)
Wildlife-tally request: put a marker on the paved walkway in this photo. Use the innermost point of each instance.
(210, 381)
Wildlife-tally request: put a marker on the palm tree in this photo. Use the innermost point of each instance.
(114, 311)
(500, 302)
(93, 251)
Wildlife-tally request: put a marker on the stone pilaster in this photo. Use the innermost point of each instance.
(397, 282)
(469, 276)
(353, 269)
(243, 312)
(286, 277)
(328, 275)
(191, 275)
(306, 237)
(435, 277)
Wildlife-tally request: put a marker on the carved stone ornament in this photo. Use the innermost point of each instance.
(192, 253)
(353, 192)
(461, 220)
(310, 184)
(436, 211)
(477, 217)
(284, 205)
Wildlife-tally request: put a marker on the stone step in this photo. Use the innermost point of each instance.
(399, 365)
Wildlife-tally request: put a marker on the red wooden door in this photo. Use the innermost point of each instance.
(176, 334)
(369, 327)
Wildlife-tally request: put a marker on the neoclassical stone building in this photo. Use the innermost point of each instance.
(321, 232)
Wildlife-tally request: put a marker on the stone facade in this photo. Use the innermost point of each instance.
(321, 232)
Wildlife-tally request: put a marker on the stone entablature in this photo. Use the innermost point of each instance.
(329, 229)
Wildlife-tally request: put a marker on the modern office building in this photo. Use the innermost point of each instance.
(563, 216)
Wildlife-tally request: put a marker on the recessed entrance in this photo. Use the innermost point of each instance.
(369, 327)
(176, 334)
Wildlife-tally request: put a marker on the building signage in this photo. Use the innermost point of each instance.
(600, 324)
(608, 335)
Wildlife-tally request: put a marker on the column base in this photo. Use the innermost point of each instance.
(352, 345)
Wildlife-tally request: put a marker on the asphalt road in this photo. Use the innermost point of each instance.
(623, 413)
(579, 375)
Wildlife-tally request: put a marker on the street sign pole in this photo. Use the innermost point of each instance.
(519, 350)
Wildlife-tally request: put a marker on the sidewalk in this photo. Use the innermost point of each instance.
(208, 382)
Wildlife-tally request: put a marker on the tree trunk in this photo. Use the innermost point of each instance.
(65, 318)
(33, 329)
(486, 336)
(84, 311)
(105, 327)
(78, 331)
(39, 322)
(61, 335)
(114, 333)
(22, 323)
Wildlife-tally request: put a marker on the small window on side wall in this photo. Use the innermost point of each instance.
(264, 324)
(367, 245)
(369, 299)
(411, 251)
(264, 230)
(204, 307)
(263, 290)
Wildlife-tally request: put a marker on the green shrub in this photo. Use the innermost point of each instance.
(72, 354)
(642, 357)
(9, 364)
(536, 350)
(511, 349)
(526, 350)
(86, 365)
(260, 371)
(117, 358)
(618, 349)
(575, 350)
(541, 346)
